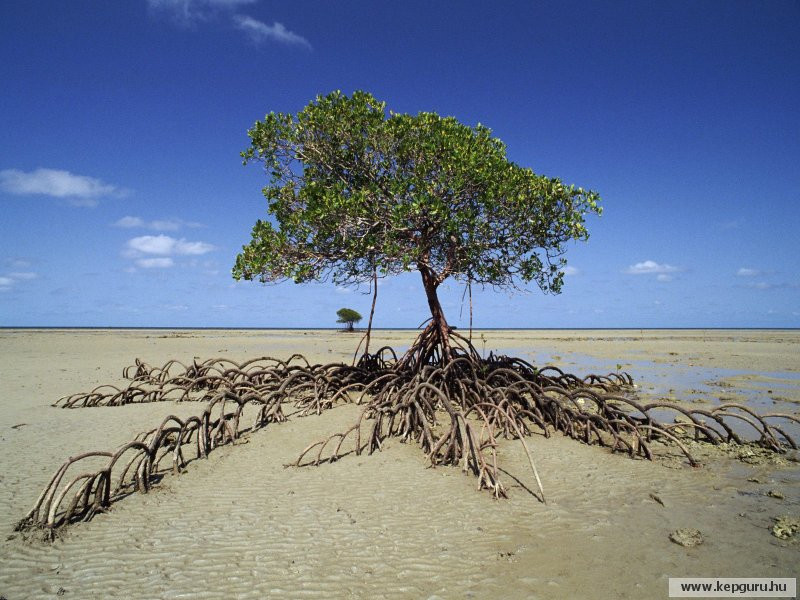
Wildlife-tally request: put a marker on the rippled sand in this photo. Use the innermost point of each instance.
(240, 525)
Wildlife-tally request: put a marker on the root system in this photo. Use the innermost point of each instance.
(442, 395)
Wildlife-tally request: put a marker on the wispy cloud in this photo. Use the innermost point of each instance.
(130, 222)
(8, 280)
(569, 271)
(261, 32)
(16, 263)
(26, 275)
(179, 307)
(746, 272)
(158, 225)
(172, 224)
(189, 12)
(165, 245)
(650, 267)
(765, 285)
(80, 190)
(184, 247)
(155, 263)
(664, 277)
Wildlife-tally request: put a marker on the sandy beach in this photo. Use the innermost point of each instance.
(240, 525)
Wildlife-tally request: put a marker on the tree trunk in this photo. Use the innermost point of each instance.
(438, 323)
(372, 310)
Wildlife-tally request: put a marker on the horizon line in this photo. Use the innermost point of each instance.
(301, 328)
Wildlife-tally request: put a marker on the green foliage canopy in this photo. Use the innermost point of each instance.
(353, 188)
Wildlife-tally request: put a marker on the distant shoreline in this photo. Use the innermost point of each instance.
(203, 328)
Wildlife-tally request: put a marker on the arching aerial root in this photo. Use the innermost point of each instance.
(197, 381)
(455, 410)
(135, 466)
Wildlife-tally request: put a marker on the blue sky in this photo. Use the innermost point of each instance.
(124, 201)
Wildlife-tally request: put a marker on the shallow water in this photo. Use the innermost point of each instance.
(685, 384)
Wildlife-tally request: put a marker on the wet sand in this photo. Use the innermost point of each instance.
(241, 525)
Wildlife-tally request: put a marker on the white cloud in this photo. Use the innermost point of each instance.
(165, 225)
(193, 248)
(649, 267)
(164, 245)
(664, 277)
(155, 263)
(79, 189)
(153, 244)
(277, 32)
(9, 279)
(129, 222)
(745, 272)
(188, 12)
(569, 271)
